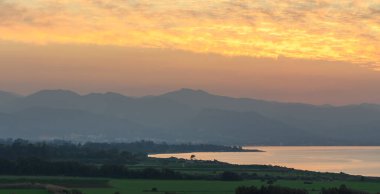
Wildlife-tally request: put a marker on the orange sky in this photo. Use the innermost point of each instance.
(317, 51)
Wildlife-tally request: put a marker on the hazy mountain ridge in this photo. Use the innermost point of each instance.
(341, 124)
(71, 124)
(250, 127)
(6, 97)
(146, 111)
(186, 115)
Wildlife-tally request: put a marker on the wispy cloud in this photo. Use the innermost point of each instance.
(347, 30)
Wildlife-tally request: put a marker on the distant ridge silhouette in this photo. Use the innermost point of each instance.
(185, 115)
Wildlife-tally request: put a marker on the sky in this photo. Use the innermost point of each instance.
(312, 51)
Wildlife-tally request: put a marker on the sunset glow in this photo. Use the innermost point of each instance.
(315, 29)
(315, 51)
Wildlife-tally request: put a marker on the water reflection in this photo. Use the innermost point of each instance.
(352, 160)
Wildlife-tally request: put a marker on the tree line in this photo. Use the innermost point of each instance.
(343, 189)
(120, 153)
(39, 167)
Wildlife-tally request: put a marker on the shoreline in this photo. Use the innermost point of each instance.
(241, 151)
(317, 159)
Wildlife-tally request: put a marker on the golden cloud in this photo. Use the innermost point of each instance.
(347, 30)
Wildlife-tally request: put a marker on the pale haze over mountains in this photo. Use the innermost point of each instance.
(185, 115)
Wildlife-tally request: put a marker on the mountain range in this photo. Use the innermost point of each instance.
(185, 115)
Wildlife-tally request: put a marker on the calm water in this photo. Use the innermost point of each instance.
(351, 160)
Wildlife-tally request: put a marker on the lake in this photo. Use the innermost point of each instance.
(347, 159)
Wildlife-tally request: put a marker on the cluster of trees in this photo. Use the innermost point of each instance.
(268, 190)
(343, 189)
(117, 153)
(38, 167)
(230, 176)
(152, 147)
(61, 158)
(67, 151)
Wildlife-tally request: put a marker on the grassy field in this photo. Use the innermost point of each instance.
(23, 191)
(311, 181)
(219, 187)
(198, 186)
